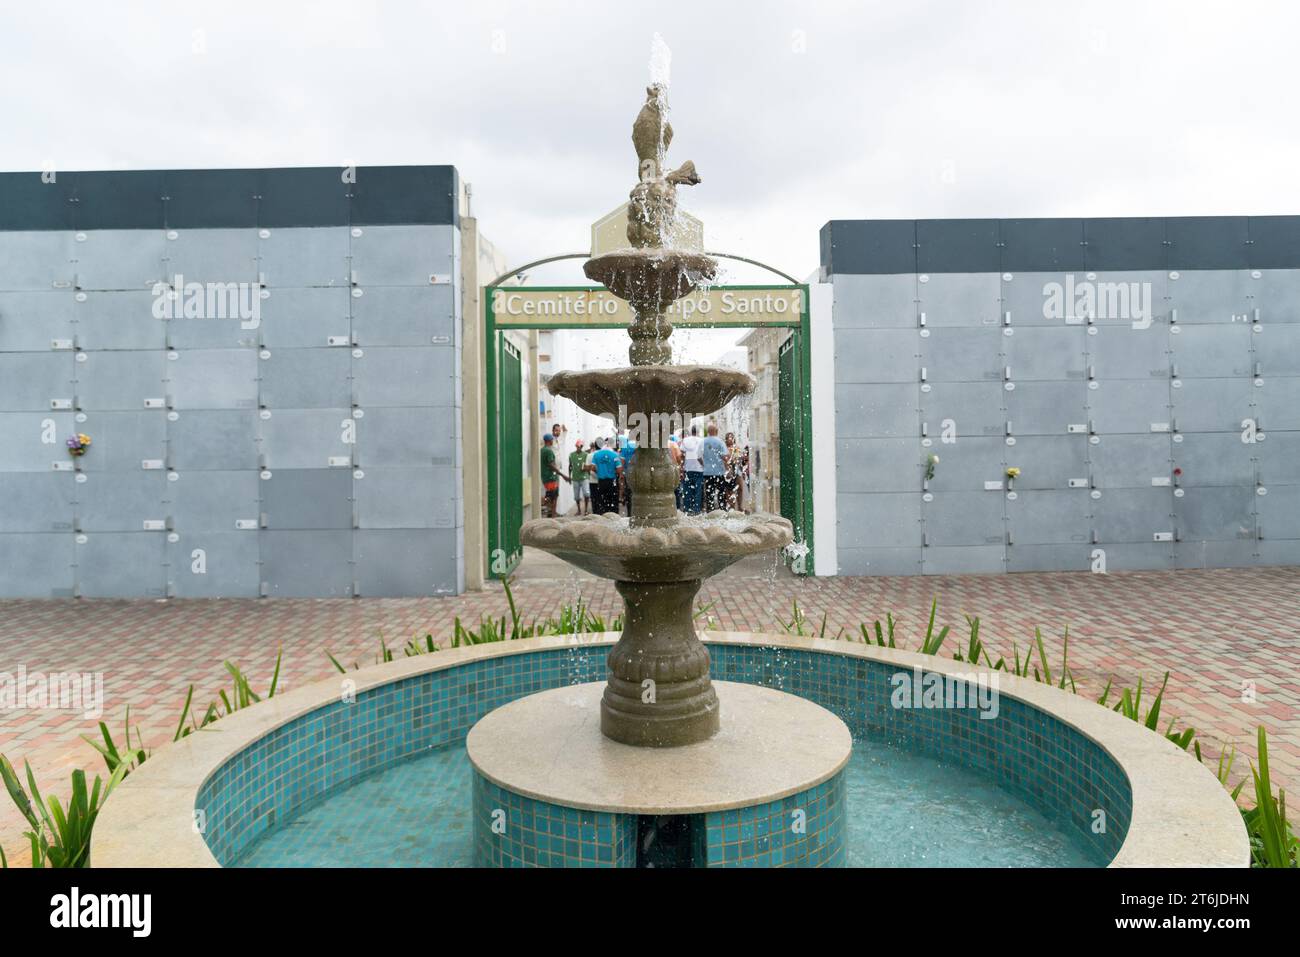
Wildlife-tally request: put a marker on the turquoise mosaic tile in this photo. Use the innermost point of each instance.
(803, 830)
(1026, 751)
(511, 830)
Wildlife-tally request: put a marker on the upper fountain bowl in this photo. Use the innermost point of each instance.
(686, 391)
(651, 278)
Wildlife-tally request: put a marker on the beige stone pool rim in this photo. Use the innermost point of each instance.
(1181, 815)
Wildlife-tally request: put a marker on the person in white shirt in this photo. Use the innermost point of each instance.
(693, 494)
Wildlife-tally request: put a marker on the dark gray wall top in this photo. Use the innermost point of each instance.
(230, 198)
(878, 246)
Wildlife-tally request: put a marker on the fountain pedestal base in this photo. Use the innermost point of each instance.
(551, 790)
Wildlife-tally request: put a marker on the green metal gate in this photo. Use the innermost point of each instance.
(795, 453)
(506, 455)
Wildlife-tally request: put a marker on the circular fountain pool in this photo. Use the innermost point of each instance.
(369, 768)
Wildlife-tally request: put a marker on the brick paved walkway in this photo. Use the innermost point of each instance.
(1212, 629)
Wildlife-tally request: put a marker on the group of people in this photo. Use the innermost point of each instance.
(711, 472)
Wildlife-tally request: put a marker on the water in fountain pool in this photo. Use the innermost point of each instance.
(905, 810)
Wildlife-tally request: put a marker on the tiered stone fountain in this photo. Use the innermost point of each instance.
(659, 693)
(670, 766)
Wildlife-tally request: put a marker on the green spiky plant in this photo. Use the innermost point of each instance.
(59, 835)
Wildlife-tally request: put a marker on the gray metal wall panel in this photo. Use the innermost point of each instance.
(1133, 515)
(962, 409)
(308, 499)
(1130, 461)
(212, 255)
(1277, 402)
(960, 299)
(1215, 458)
(1279, 552)
(405, 378)
(879, 561)
(1045, 354)
(876, 302)
(304, 318)
(1046, 408)
(224, 564)
(289, 258)
(1212, 351)
(1277, 513)
(1121, 352)
(965, 465)
(1213, 405)
(962, 355)
(878, 520)
(868, 355)
(1212, 296)
(963, 560)
(120, 381)
(214, 501)
(1216, 514)
(119, 259)
(400, 255)
(37, 566)
(213, 439)
(396, 562)
(1049, 516)
(34, 441)
(121, 501)
(876, 411)
(1048, 461)
(307, 564)
(1279, 458)
(965, 518)
(1276, 293)
(1215, 555)
(306, 379)
(33, 381)
(1139, 558)
(37, 501)
(1049, 558)
(407, 498)
(404, 316)
(308, 439)
(1128, 406)
(34, 321)
(118, 320)
(213, 379)
(123, 441)
(122, 565)
(35, 261)
(1277, 350)
(877, 465)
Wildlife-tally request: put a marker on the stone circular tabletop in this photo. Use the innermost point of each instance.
(548, 746)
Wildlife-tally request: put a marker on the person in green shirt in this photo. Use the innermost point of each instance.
(578, 470)
(550, 477)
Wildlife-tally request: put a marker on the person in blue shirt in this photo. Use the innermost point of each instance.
(608, 468)
(713, 462)
(625, 452)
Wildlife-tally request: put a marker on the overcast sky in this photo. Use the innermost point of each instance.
(795, 113)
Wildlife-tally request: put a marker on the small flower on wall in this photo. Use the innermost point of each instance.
(78, 444)
(1013, 473)
(931, 461)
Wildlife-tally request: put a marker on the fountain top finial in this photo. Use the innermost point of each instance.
(653, 211)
